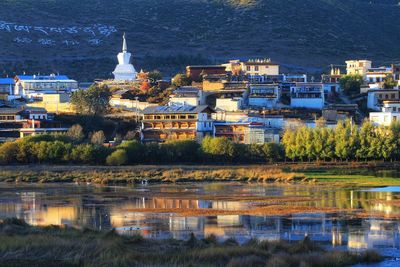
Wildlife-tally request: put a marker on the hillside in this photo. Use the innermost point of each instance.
(82, 38)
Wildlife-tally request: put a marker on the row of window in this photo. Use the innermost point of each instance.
(169, 117)
(386, 96)
(7, 118)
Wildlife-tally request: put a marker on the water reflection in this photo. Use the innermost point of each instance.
(119, 207)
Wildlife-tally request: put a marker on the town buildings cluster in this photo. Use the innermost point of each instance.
(249, 102)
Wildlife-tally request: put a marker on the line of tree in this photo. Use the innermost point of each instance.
(346, 141)
(76, 149)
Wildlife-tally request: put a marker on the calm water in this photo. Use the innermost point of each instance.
(105, 207)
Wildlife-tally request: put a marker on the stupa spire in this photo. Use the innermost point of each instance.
(124, 45)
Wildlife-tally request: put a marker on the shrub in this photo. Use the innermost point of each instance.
(8, 152)
(118, 157)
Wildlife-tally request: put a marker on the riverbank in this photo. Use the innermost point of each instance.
(358, 174)
(25, 245)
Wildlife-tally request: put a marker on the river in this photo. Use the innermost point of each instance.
(154, 211)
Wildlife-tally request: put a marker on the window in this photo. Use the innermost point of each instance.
(248, 68)
(256, 68)
(394, 109)
(393, 96)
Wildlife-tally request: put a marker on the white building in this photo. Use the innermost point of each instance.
(36, 86)
(390, 113)
(124, 71)
(378, 75)
(307, 95)
(6, 88)
(187, 95)
(358, 67)
(260, 67)
(295, 78)
(264, 95)
(229, 104)
(377, 96)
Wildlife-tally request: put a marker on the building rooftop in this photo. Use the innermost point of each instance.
(205, 66)
(6, 81)
(8, 110)
(186, 89)
(43, 78)
(175, 109)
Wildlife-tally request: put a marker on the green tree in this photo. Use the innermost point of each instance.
(328, 140)
(93, 101)
(218, 148)
(289, 143)
(273, 152)
(351, 84)
(389, 82)
(181, 80)
(154, 76)
(8, 152)
(135, 151)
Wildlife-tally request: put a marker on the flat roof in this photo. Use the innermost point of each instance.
(6, 81)
(175, 109)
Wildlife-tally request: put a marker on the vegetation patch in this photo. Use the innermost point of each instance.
(25, 245)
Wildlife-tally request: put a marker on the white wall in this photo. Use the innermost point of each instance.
(192, 101)
(384, 118)
(229, 104)
(312, 103)
(262, 102)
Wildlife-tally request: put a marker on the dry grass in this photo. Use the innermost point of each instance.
(23, 245)
(174, 175)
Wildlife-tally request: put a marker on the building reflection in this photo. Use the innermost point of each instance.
(106, 209)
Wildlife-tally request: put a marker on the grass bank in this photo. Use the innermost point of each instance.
(24, 245)
(341, 173)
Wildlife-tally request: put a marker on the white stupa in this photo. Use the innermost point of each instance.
(124, 71)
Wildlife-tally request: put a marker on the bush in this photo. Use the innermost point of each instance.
(8, 152)
(118, 157)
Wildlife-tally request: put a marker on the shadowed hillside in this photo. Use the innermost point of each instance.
(82, 38)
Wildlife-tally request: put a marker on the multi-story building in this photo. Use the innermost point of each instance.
(307, 95)
(390, 113)
(176, 122)
(260, 67)
(196, 73)
(6, 88)
(187, 95)
(246, 132)
(295, 78)
(331, 82)
(377, 96)
(229, 104)
(396, 72)
(36, 85)
(264, 95)
(358, 67)
(378, 75)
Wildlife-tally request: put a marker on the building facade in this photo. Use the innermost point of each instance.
(264, 95)
(307, 95)
(389, 114)
(176, 122)
(358, 67)
(36, 86)
(260, 67)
